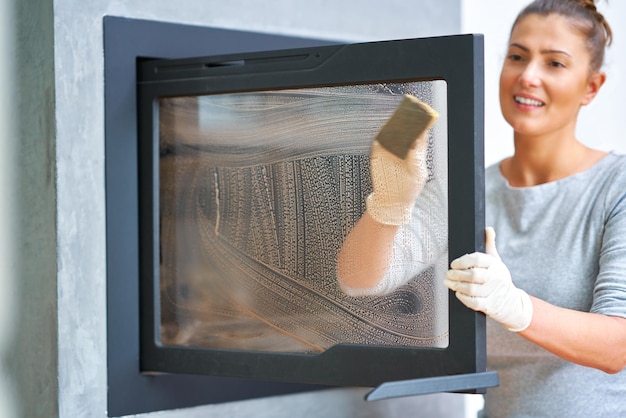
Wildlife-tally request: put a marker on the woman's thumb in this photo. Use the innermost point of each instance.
(490, 242)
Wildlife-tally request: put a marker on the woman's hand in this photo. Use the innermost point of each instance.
(483, 283)
(396, 182)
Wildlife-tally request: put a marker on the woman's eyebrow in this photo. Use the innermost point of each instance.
(543, 51)
(522, 47)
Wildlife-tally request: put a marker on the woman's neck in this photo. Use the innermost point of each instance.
(543, 160)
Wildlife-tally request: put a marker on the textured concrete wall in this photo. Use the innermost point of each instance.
(60, 351)
(32, 361)
(8, 267)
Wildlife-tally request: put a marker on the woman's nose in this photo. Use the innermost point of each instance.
(530, 76)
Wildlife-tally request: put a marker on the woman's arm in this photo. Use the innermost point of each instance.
(584, 338)
(483, 283)
(366, 253)
(397, 177)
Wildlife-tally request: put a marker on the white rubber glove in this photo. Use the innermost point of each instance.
(396, 183)
(483, 283)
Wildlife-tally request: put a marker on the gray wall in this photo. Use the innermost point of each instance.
(57, 356)
(32, 359)
(7, 208)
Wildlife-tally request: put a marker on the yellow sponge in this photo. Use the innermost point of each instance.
(410, 119)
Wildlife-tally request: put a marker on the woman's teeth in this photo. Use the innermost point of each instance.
(529, 102)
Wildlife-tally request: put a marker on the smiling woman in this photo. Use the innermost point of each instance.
(559, 206)
(546, 76)
(545, 80)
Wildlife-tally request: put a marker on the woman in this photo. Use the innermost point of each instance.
(560, 210)
(558, 287)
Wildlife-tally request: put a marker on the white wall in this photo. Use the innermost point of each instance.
(602, 124)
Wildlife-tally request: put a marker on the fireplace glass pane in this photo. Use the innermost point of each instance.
(257, 192)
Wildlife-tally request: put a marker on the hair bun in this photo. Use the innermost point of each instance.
(588, 4)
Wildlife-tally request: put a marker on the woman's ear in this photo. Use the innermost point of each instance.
(596, 80)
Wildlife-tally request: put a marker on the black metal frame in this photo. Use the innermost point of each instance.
(151, 377)
(455, 59)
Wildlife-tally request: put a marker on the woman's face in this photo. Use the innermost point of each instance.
(546, 76)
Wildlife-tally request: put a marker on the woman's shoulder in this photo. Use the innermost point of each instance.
(607, 179)
(613, 165)
(615, 158)
(493, 168)
(614, 171)
(493, 176)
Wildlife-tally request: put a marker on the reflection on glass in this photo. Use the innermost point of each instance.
(258, 191)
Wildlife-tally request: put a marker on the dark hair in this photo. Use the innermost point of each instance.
(583, 15)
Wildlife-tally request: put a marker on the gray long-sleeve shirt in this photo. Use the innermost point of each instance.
(564, 242)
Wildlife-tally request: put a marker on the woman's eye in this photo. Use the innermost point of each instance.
(515, 57)
(557, 64)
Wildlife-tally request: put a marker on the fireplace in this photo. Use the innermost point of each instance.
(231, 191)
